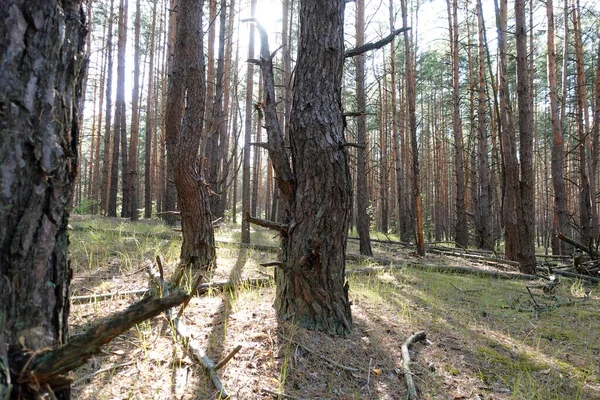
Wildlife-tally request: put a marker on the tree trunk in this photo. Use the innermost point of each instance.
(526, 207)
(462, 229)
(508, 146)
(118, 128)
(106, 164)
(184, 137)
(362, 200)
(412, 126)
(41, 52)
(132, 173)
(560, 218)
(150, 122)
(248, 135)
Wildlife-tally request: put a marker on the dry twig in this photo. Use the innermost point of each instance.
(412, 389)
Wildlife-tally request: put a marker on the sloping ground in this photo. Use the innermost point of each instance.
(486, 338)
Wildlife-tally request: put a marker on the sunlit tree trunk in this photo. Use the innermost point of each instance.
(132, 173)
(106, 163)
(150, 121)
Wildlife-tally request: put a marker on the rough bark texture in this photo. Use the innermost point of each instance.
(362, 200)
(184, 137)
(310, 286)
(41, 66)
(525, 209)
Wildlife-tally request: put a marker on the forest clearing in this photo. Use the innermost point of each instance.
(485, 337)
(299, 199)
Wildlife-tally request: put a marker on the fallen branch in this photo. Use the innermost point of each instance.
(281, 228)
(102, 296)
(417, 337)
(229, 356)
(373, 46)
(393, 264)
(593, 254)
(168, 213)
(199, 354)
(50, 364)
(330, 361)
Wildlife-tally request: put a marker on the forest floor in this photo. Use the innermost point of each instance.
(486, 338)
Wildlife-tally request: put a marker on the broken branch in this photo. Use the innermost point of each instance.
(376, 45)
(282, 228)
(412, 389)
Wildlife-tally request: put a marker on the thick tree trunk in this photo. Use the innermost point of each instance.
(310, 286)
(362, 217)
(41, 52)
(184, 138)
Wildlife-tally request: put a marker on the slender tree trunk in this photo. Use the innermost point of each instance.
(170, 192)
(135, 123)
(248, 135)
(560, 218)
(362, 200)
(106, 163)
(462, 229)
(526, 208)
(184, 137)
(150, 121)
(118, 127)
(41, 53)
(585, 195)
(508, 146)
(412, 126)
(485, 190)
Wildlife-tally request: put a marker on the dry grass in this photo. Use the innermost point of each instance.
(485, 338)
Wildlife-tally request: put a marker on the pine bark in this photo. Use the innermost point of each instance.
(560, 217)
(41, 52)
(184, 137)
(106, 163)
(132, 173)
(412, 128)
(362, 217)
(248, 135)
(526, 207)
(461, 229)
(150, 122)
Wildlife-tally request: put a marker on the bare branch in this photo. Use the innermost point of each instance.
(282, 228)
(358, 146)
(376, 45)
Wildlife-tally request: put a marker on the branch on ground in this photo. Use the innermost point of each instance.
(412, 389)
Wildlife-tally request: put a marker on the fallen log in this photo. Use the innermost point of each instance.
(393, 264)
(50, 365)
(593, 254)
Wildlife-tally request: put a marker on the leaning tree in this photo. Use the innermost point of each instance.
(313, 176)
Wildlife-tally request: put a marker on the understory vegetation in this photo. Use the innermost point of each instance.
(486, 338)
